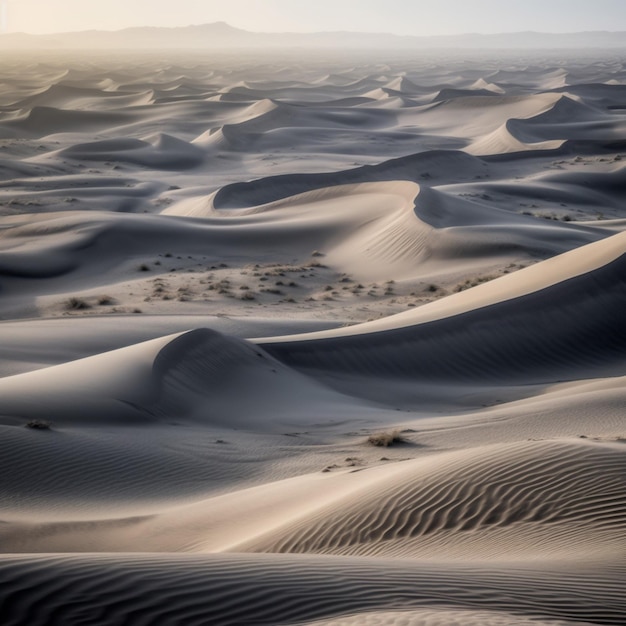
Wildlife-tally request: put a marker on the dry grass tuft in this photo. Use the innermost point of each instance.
(77, 304)
(386, 439)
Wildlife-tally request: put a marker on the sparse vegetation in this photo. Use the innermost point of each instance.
(469, 283)
(104, 300)
(386, 439)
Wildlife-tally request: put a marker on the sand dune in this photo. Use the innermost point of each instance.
(496, 332)
(191, 376)
(210, 588)
(518, 502)
(224, 280)
(160, 152)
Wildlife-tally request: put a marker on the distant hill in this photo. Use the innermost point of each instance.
(224, 36)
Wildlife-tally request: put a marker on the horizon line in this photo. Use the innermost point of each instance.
(312, 32)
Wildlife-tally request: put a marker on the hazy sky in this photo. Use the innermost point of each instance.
(404, 17)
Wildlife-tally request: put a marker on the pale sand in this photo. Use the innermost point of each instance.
(219, 276)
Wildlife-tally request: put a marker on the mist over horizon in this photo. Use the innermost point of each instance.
(225, 36)
(399, 17)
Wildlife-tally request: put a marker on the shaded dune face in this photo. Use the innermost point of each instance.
(522, 338)
(200, 377)
(226, 279)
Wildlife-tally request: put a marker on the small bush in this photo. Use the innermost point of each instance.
(385, 439)
(39, 425)
(77, 304)
(143, 268)
(104, 300)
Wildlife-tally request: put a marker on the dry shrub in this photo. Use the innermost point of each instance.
(38, 425)
(385, 439)
(77, 304)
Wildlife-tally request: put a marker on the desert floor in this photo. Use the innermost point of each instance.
(225, 278)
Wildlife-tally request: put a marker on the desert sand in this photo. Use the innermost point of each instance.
(226, 276)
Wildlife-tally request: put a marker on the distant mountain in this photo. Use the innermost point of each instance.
(224, 36)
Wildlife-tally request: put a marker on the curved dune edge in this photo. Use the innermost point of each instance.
(504, 141)
(196, 376)
(535, 132)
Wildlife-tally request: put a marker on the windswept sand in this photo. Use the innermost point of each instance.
(220, 276)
